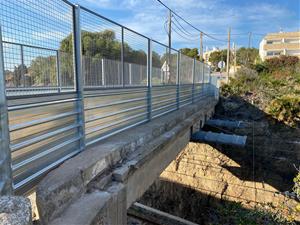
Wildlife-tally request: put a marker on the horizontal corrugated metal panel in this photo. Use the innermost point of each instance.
(42, 131)
(107, 111)
(185, 94)
(164, 99)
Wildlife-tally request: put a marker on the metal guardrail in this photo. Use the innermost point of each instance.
(72, 78)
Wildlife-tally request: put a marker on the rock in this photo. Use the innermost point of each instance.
(231, 106)
(15, 210)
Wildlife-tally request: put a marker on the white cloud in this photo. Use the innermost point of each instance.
(263, 10)
(214, 16)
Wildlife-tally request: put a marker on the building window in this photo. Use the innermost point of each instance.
(270, 42)
(293, 52)
(292, 41)
(273, 53)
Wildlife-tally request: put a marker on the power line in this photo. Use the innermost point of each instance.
(182, 35)
(179, 28)
(184, 28)
(195, 39)
(204, 33)
(258, 34)
(177, 32)
(239, 34)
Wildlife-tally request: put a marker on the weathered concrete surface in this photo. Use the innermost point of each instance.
(134, 158)
(145, 175)
(15, 210)
(99, 207)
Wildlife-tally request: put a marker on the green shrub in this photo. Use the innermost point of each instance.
(246, 74)
(259, 68)
(241, 84)
(285, 108)
(278, 63)
(233, 213)
(230, 90)
(296, 188)
(274, 86)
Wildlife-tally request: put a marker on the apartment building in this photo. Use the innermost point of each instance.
(282, 43)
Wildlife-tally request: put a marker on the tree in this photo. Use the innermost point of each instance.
(156, 60)
(95, 46)
(105, 45)
(193, 53)
(43, 72)
(218, 56)
(18, 75)
(247, 56)
(18, 72)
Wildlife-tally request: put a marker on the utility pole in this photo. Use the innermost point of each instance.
(249, 41)
(234, 51)
(228, 55)
(168, 66)
(170, 30)
(201, 46)
(249, 46)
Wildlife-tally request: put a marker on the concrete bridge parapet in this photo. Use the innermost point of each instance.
(101, 183)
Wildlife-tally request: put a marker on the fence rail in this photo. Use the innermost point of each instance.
(72, 77)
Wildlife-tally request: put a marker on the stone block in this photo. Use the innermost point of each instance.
(117, 210)
(61, 186)
(90, 209)
(97, 208)
(15, 210)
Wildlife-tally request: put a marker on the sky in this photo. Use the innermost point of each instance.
(211, 16)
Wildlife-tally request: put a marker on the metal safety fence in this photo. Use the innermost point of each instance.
(71, 77)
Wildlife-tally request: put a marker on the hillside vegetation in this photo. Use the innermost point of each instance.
(272, 86)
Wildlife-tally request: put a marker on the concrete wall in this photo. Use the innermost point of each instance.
(98, 185)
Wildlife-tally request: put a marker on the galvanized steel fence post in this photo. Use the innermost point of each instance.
(6, 184)
(21, 82)
(203, 70)
(58, 71)
(103, 72)
(149, 79)
(122, 56)
(209, 73)
(178, 81)
(78, 74)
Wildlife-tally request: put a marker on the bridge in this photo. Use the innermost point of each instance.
(91, 111)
